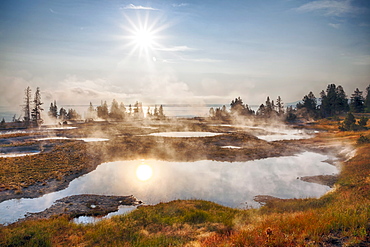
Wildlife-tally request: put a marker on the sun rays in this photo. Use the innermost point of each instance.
(144, 36)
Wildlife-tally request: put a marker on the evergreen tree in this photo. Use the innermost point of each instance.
(53, 110)
(62, 114)
(36, 111)
(160, 112)
(367, 100)
(341, 103)
(155, 114)
(212, 112)
(280, 106)
(115, 111)
(102, 110)
(237, 106)
(334, 101)
(310, 102)
(122, 109)
(308, 107)
(130, 110)
(349, 123)
(324, 107)
(357, 101)
(290, 114)
(138, 110)
(363, 122)
(73, 115)
(91, 113)
(261, 110)
(2, 123)
(148, 113)
(268, 107)
(27, 107)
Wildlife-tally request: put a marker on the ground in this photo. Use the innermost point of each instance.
(341, 218)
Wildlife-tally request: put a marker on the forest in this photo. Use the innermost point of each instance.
(332, 103)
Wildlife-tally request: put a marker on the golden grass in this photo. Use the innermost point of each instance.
(339, 218)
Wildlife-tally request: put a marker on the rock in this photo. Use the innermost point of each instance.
(88, 205)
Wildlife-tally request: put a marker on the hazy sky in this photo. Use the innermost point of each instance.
(175, 51)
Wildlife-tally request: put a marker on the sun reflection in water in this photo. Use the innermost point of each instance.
(144, 172)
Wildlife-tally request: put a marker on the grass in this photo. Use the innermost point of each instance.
(65, 159)
(339, 218)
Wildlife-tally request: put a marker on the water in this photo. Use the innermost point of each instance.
(230, 184)
(122, 209)
(92, 139)
(14, 154)
(185, 134)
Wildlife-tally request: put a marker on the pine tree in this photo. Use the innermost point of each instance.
(102, 110)
(212, 112)
(280, 106)
(357, 101)
(310, 102)
(341, 104)
(367, 100)
(261, 110)
(27, 107)
(36, 111)
(73, 115)
(268, 107)
(91, 113)
(2, 123)
(122, 108)
(349, 123)
(62, 114)
(160, 112)
(115, 112)
(237, 106)
(155, 114)
(334, 101)
(53, 110)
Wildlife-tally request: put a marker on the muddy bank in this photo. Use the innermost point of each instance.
(85, 205)
(328, 180)
(40, 188)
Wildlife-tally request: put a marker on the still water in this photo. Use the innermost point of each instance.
(231, 184)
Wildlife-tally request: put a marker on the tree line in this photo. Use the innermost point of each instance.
(32, 111)
(269, 109)
(332, 102)
(120, 112)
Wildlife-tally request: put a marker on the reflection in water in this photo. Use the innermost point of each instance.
(91, 219)
(230, 184)
(144, 172)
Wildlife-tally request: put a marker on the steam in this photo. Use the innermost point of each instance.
(230, 184)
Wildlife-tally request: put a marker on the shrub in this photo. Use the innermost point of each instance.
(363, 139)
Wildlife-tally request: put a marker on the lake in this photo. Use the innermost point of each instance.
(232, 184)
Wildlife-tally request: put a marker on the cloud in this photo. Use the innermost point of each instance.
(176, 48)
(329, 7)
(334, 25)
(138, 7)
(176, 5)
(203, 60)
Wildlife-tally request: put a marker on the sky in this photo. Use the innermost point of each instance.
(178, 51)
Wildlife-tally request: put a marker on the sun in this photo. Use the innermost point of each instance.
(144, 39)
(144, 172)
(143, 35)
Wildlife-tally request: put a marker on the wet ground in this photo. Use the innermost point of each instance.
(141, 140)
